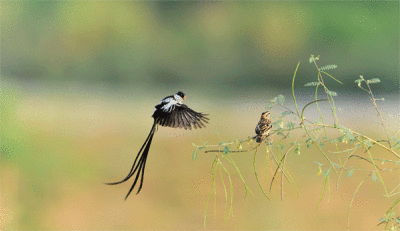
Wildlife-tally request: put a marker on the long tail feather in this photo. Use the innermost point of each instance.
(140, 167)
(140, 160)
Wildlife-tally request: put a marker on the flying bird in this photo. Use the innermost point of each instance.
(263, 127)
(170, 112)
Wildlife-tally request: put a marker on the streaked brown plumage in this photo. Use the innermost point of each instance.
(263, 127)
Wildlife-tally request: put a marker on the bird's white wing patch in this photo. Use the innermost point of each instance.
(166, 100)
(168, 107)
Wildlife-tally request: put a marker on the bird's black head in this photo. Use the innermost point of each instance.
(181, 94)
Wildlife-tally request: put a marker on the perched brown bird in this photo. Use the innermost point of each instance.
(263, 127)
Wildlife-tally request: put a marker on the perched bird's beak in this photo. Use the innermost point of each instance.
(184, 97)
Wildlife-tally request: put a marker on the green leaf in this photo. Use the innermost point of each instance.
(397, 142)
(280, 134)
(290, 125)
(269, 106)
(375, 80)
(327, 172)
(340, 138)
(280, 99)
(312, 84)
(358, 81)
(309, 142)
(346, 132)
(194, 155)
(193, 145)
(226, 150)
(328, 67)
(336, 165)
(280, 146)
(333, 141)
(276, 124)
(332, 93)
(297, 150)
(373, 176)
(312, 58)
(350, 172)
(285, 113)
(320, 164)
(368, 143)
(349, 136)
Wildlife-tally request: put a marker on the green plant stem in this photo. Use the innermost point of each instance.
(341, 169)
(377, 172)
(255, 172)
(320, 149)
(294, 98)
(377, 110)
(326, 180)
(226, 194)
(319, 109)
(212, 186)
(231, 185)
(352, 199)
(331, 77)
(333, 108)
(359, 134)
(227, 157)
(281, 166)
(315, 101)
(330, 126)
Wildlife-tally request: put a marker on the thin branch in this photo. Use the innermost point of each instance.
(352, 199)
(255, 172)
(376, 108)
(359, 134)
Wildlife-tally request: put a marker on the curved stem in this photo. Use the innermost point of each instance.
(294, 98)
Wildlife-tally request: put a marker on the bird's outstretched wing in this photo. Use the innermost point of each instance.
(180, 116)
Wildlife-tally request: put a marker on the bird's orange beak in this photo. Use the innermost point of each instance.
(184, 97)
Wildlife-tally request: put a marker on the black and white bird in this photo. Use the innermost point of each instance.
(170, 112)
(263, 127)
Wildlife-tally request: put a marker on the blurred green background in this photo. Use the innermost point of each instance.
(80, 79)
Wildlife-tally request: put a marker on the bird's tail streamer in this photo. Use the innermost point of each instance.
(139, 164)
